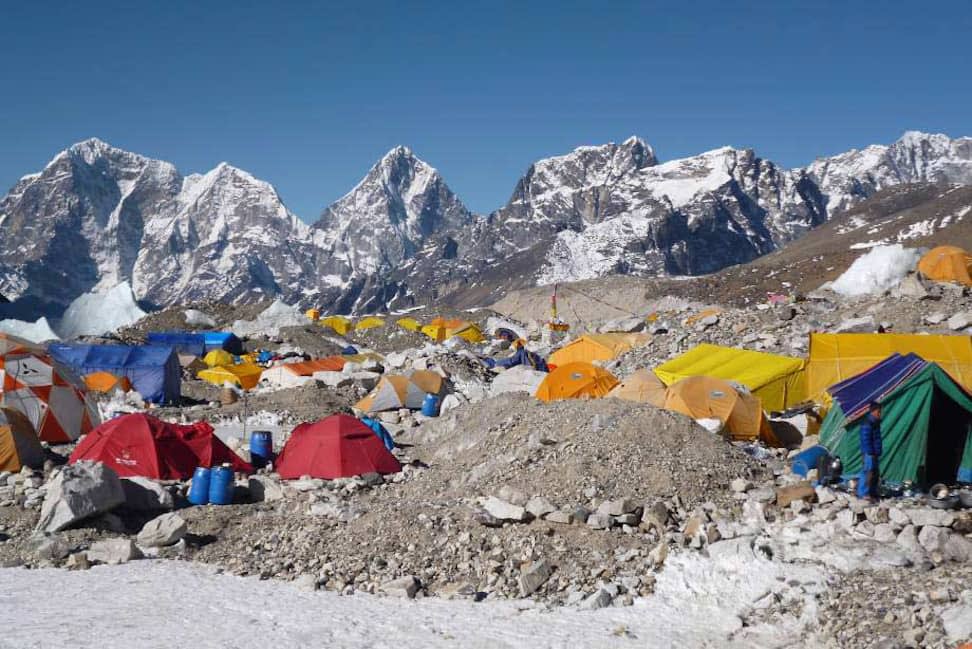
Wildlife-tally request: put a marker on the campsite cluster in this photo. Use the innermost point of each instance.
(402, 464)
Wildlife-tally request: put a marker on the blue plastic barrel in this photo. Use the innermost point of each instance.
(261, 448)
(430, 407)
(199, 489)
(806, 460)
(221, 486)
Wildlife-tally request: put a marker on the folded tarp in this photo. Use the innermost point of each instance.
(853, 395)
(153, 370)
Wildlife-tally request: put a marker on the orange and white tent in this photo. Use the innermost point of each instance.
(396, 391)
(19, 446)
(48, 393)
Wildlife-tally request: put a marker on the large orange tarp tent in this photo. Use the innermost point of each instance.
(836, 357)
(947, 264)
(597, 347)
(704, 397)
(576, 381)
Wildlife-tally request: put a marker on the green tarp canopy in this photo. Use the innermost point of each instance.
(926, 429)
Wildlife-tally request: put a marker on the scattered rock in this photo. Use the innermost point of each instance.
(113, 551)
(800, 491)
(405, 587)
(265, 489)
(539, 507)
(79, 491)
(533, 576)
(505, 511)
(146, 495)
(163, 530)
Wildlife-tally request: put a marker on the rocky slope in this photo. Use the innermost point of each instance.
(97, 215)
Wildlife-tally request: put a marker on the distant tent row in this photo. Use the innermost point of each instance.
(342, 325)
(197, 344)
(153, 370)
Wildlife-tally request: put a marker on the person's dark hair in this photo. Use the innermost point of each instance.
(874, 405)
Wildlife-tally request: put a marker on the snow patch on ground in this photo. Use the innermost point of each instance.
(877, 271)
(98, 313)
(698, 602)
(36, 332)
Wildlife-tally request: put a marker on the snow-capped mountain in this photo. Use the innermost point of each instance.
(397, 210)
(97, 216)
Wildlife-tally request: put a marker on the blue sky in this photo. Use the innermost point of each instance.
(310, 96)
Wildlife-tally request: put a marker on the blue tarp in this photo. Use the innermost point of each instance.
(197, 344)
(854, 394)
(153, 369)
(183, 341)
(223, 340)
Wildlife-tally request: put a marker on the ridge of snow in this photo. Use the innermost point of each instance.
(99, 313)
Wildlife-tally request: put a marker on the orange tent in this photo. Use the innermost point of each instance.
(576, 381)
(642, 386)
(106, 382)
(397, 391)
(704, 397)
(947, 264)
(19, 446)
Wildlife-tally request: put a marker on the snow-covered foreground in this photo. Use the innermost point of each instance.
(167, 604)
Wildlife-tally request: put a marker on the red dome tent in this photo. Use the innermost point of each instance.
(140, 445)
(339, 446)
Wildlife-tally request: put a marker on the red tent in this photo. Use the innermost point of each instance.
(339, 446)
(140, 445)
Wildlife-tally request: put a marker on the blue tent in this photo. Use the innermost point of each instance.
(226, 340)
(183, 341)
(153, 369)
(197, 344)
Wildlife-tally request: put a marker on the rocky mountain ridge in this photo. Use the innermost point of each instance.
(97, 215)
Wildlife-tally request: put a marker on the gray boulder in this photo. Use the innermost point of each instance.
(534, 576)
(113, 551)
(265, 489)
(146, 495)
(77, 492)
(505, 511)
(164, 530)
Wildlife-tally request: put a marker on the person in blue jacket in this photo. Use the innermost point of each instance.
(871, 449)
(521, 355)
(380, 431)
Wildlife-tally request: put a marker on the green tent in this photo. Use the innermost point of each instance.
(926, 428)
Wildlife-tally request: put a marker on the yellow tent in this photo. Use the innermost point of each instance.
(947, 264)
(703, 397)
(642, 386)
(835, 357)
(576, 381)
(409, 323)
(338, 323)
(218, 358)
(778, 381)
(244, 375)
(440, 330)
(313, 314)
(371, 322)
(19, 445)
(597, 347)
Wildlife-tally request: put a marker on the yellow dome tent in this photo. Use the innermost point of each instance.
(245, 375)
(338, 323)
(218, 358)
(643, 387)
(576, 381)
(947, 264)
(704, 397)
(778, 381)
(371, 322)
(409, 323)
(597, 347)
(441, 330)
